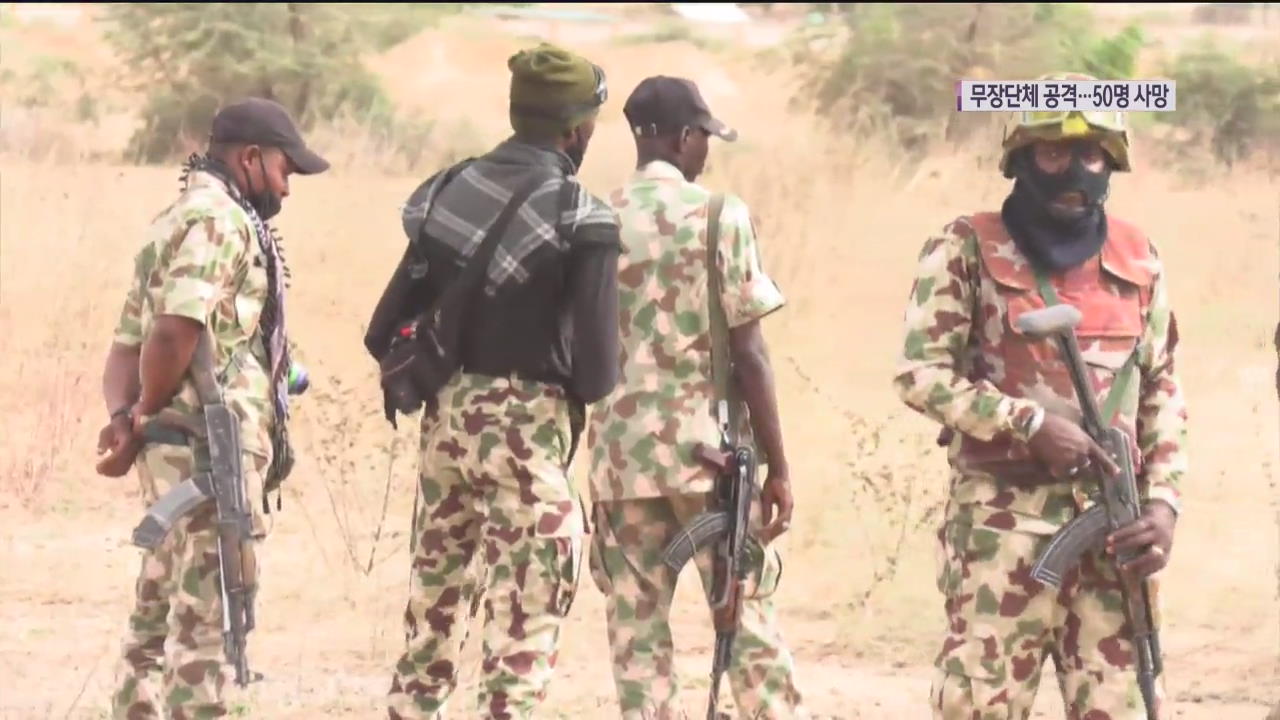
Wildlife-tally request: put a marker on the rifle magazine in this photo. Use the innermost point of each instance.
(703, 530)
(1066, 546)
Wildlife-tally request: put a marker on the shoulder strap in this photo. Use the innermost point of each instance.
(479, 262)
(203, 373)
(726, 405)
(422, 193)
(1111, 405)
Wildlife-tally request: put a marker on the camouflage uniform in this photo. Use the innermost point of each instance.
(496, 451)
(203, 261)
(494, 460)
(645, 483)
(965, 365)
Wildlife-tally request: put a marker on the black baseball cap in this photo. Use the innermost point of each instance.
(258, 121)
(662, 104)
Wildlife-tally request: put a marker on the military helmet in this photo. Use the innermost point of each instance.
(1106, 126)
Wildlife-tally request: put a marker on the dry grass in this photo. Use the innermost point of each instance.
(858, 603)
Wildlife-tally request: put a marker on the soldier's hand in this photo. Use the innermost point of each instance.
(775, 496)
(117, 447)
(1067, 450)
(1153, 531)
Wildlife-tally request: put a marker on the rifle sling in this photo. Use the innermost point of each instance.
(1111, 405)
(721, 363)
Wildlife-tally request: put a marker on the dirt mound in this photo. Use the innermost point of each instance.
(457, 74)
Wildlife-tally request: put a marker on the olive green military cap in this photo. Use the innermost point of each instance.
(553, 90)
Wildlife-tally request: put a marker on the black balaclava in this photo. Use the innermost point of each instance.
(577, 152)
(1053, 243)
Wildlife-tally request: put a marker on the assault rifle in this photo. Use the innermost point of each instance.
(224, 484)
(724, 528)
(1117, 501)
(724, 525)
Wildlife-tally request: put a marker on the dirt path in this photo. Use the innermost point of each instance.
(329, 635)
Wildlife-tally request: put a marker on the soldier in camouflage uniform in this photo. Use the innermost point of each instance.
(645, 482)
(539, 342)
(210, 264)
(1021, 467)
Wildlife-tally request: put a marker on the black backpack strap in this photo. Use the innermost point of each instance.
(390, 307)
(477, 266)
(423, 194)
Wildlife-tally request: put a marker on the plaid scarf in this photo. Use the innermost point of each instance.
(459, 210)
(271, 324)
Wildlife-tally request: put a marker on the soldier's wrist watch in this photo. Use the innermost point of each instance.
(125, 412)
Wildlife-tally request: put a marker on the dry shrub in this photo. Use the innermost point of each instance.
(407, 145)
(889, 503)
(358, 481)
(51, 368)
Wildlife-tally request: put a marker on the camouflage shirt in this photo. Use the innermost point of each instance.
(963, 365)
(642, 435)
(202, 260)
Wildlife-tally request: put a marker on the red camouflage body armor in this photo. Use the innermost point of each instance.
(1112, 291)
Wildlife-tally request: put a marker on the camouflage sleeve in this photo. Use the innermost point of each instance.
(128, 329)
(929, 374)
(1162, 412)
(205, 258)
(747, 293)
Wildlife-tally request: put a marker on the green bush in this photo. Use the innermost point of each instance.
(53, 85)
(893, 68)
(1231, 107)
(191, 58)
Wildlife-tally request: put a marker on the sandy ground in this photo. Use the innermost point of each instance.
(329, 632)
(858, 604)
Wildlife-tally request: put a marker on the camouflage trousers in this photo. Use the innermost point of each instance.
(493, 479)
(626, 565)
(1003, 625)
(174, 658)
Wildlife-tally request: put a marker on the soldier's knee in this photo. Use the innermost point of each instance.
(556, 558)
(956, 696)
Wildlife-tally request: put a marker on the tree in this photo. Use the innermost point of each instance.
(893, 68)
(191, 58)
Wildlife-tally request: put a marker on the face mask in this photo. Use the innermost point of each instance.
(1050, 238)
(577, 152)
(1043, 188)
(266, 203)
(575, 155)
